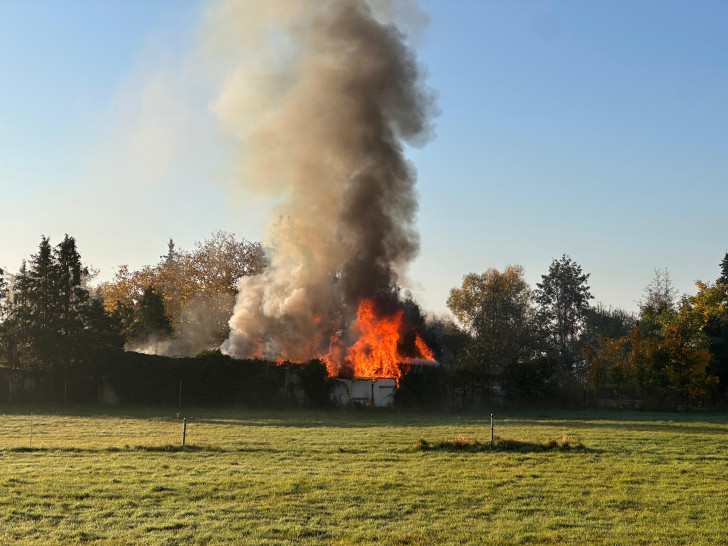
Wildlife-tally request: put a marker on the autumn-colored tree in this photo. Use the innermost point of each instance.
(495, 308)
(610, 369)
(198, 288)
(704, 317)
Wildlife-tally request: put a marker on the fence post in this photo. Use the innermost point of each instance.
(491, 430)
(31, 429)
(184, 431)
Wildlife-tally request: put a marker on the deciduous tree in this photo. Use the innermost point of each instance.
(495, 308)
(198, 288)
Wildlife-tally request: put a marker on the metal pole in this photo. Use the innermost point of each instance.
(491, 430)
(184, 430)
(31, 429)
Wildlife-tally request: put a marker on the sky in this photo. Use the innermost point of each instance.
(594, 129)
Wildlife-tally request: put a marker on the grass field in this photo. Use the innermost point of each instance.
(265, 477)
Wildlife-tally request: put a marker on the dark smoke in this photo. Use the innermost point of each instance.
(321, 124)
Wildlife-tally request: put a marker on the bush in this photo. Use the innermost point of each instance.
(422, 387)
(315, 383)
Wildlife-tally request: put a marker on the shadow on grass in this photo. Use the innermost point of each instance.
(464, 444)
(126, 449)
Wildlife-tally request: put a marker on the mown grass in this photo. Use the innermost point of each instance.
(265, 477)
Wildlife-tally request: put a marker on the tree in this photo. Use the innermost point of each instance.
(16, 326)
(71, 300)
(49, 317)
(704, 318)
(659, 305)
(605, 332)
(495, 309)
(41, 296)
(102, 336)
(4, 302)
(150, 318)
(610, 367)
(606, 322)
(314, 380)
(563, 296)
(198, 288)
(4, 310)
(723, 279)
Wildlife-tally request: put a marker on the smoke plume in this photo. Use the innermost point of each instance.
(321, 101)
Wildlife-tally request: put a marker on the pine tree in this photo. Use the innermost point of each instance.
(16, 327)
(70, 306)
(563, 295)
(41, 302)
(150, 318)
(724, 270)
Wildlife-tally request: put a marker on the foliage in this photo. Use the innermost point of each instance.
(422, 388)
(603, 322)
(208, 379)
(666, 372)
(314, 380)
(530, 380)
(495, 309)
(563, 298)
(723, 279)
(198, 287)
(447, 340)
(3, 295)
(50, 319)
(659, 305)
(150, 319)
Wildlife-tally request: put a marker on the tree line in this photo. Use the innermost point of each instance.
(50, 316)
(550, 343)
(508, 341)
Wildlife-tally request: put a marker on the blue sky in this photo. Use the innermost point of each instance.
(595, 129)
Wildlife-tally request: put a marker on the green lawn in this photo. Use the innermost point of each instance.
(265, 477)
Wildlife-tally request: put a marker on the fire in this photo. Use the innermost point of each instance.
(376, 351)
(424, 350)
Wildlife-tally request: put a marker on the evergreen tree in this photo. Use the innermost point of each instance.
(150, 318)
(3, 296)
(71, 301)
(42, 299)
(4, 309)
(102, 335)
(723, 279)
(16, 327)
(50, 318)
(563, 296)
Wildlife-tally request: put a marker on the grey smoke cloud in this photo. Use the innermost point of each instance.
(321, 97)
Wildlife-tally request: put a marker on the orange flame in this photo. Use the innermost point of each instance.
(424, 350)
(375, 353)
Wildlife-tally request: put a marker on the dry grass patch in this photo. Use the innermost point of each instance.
(463, 442)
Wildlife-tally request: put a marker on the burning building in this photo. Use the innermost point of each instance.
(322, 96)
